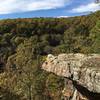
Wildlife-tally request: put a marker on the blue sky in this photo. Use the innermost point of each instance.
(46, 8)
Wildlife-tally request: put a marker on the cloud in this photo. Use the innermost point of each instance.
(12, 6)
(62, 16)
(86, 8)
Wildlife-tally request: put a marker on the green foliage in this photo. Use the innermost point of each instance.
(54, 85)
(24, 44)
(95, 37)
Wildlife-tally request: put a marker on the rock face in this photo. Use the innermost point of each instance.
(80, 68)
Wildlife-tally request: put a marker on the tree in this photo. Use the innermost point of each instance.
(95, 37)
(69, 40)
(24, 70)
(97, 1)
(54, 85)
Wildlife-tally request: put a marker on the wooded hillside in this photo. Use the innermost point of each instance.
(24, 43)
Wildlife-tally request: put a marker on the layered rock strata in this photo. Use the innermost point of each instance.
(80, 68)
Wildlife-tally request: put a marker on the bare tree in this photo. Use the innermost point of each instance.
(97, 1)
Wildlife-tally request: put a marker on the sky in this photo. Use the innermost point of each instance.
(46, 8)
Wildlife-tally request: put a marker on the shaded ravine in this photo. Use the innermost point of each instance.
(85, 92)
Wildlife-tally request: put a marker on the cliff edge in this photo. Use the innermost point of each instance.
(84, 69)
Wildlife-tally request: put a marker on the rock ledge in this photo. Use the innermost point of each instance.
(84, 69)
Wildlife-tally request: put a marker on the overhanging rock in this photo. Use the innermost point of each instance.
(84, 69)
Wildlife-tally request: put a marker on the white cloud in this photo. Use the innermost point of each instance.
(86, 8)
(11, 6)
(62, 16)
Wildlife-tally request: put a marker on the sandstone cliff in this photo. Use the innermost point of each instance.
(80, 68)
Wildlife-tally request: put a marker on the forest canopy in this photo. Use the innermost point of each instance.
(24, 43)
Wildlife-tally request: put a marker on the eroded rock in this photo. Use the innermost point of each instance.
(84, 69)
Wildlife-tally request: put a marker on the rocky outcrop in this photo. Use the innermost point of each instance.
(80, 68)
